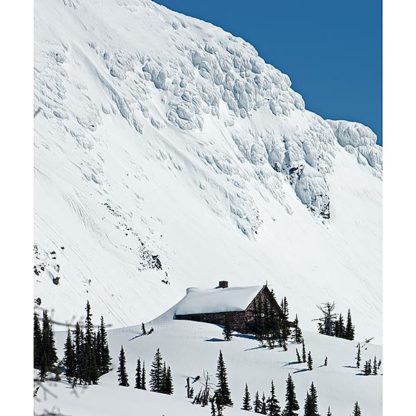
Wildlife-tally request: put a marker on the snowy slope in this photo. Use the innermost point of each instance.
(192, 348)
(168, 154)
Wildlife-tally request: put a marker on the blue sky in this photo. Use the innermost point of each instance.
(331, 49)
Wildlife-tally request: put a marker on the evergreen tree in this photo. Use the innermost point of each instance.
(273, 407)
(375, 366)
(367, 368)
(329, 412)
(246, 400)
(223, 391)
(263, 410)
(69, 358)
(349, 330)
(156, 373)
(303, 352)
(257, 403)
(311, 402)
(339, 328)
(37, 342)
(138, 382)
(97, 351)
(143, 381)
(227, 332)
(104, 350)
(326, 324)
(358, 356)
(310, 361)
(298, 356)
(121, 371)
(79, 353)
(357, 410)
(292, 405)
(326, 361)
(213, 407)
(297, 333)
(48, 355)
(91, 371)
(167, 383)
(143, 329)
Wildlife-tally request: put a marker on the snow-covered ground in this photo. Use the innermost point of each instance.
(191, 348)
(168, 154)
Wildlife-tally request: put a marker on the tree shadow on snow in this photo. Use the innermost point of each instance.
(246, 336)
(302, 370)
(215, 340)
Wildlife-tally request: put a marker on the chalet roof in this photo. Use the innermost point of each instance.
(230, 299)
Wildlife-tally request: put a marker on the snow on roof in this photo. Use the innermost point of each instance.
(216, 300)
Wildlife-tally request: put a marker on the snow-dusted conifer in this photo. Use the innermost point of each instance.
(349, 330)
(273, 407)
(292, 405)
(357, 410)
(227, 332)
(222, 391)
(156, 373)
(69, 357)
(257, 403)
(310, 361)
(246, 400)
(121, 371)
(138, 382)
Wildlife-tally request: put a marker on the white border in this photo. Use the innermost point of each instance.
(16, 206)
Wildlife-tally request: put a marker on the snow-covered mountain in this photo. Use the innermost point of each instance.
(168, 154)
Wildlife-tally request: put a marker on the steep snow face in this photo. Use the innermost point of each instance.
(168, 154)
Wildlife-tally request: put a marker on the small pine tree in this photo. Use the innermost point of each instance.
(37, 342)
(143, 329)
(227, 332)
(311, 402)
(375, 366)
(79, 353)
(256, 403)
(303, 352)
(292, 405)
(69, 358)
(104, 350)
(48, 356)
(213, 407)
(326, 361)
(138, 383)
(121, 371)
(298, 356)
(358, 356)
(297, 333)
(156, 373)
(357, 410)
(246, 400)
(310, 361)
(263, 410)
(222, 391)
(143, 381)
(329, 412)
(349, 330)
(91, 371)
(167, 382)
(367, 368)
(273, 407)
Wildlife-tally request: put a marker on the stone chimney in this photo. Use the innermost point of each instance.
(222, 284)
